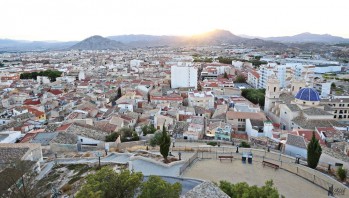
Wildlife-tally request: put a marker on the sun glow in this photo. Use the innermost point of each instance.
(76, 20)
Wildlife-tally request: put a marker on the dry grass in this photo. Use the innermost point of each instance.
(66, 188)
(189, 149)
(114, 150)
(86, 155)
(135, 148)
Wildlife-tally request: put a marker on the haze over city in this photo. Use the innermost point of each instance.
(66, 20)
(174, 99)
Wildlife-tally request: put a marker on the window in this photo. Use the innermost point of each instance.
(81, 140)
(285, 112)
(335, 116)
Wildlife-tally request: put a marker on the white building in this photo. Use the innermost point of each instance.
(81, 75)
(296, 146)
(43, 79)
(201, 99)
(9, 136)
(237, 64)
(184, 76)
(135, 63)
(322, 69)
(323, 88)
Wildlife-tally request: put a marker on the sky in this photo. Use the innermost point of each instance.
(68, 20)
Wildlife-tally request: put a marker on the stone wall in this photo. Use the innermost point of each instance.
(124, 145)
(63, 147)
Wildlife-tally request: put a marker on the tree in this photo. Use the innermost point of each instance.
(107, 183)
(119, 94)
(156, 139)
(148, 96)
(128, 134)
(112, 137)
(342, 173)
(51, 74)
(148, 129)
(314, 152)
(20, 178)
(225, 75)
(333, 86)
(242, 189)
(240, 79)
(199, 87)
(155, 187)
(256, 96)
(165, 143)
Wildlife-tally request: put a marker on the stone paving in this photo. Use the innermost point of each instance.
(288, 184)
(148, 168)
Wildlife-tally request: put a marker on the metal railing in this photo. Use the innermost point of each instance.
(285, 162)
(188, 163)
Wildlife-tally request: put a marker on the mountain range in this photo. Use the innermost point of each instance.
(216, 37)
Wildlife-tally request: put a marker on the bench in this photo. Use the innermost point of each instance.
(265, 163)
(226, 157)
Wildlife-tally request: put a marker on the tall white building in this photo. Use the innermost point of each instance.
(135, 63)
(184, 76)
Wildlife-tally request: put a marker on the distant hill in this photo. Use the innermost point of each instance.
(97, 43)
(309, 38)
(20, 45)
(215, 37)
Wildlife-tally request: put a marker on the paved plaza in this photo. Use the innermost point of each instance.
(288, 184)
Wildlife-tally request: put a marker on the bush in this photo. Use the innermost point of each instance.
(156, 187)
(112, 137)
(66, 188)
(342, 173)
(74, 179)
(156, 139)
(242, 189)
(256, 96)
(212, 143)
(244, 144)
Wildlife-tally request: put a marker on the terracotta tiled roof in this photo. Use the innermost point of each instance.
(55, 91)
(32, 102)
(64, 127)
(245, 115)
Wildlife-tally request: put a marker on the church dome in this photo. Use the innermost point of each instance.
(308, 94)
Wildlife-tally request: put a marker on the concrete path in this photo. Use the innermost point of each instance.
(148, 168)
(325, 158)
(45, 170)
(288, 184)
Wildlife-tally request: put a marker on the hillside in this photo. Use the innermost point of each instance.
(97, 43)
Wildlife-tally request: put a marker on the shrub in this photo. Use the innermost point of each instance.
(342, 173)
(244, 144)
(112, 137)
(242, 189)
(66, 188)
(212, 143)
(74, 179)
